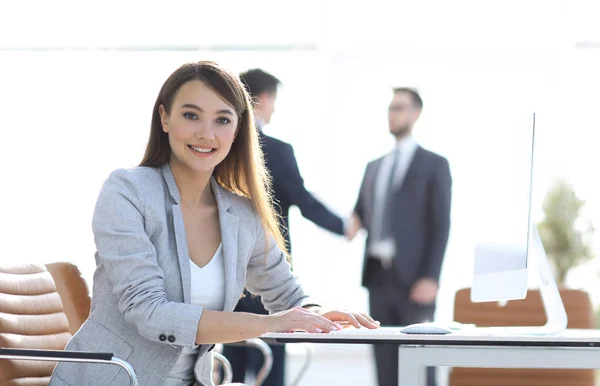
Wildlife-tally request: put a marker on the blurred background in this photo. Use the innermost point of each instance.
(78, 81)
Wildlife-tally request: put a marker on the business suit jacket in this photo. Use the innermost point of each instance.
(289, 190)
(140, 304)
(420, 210)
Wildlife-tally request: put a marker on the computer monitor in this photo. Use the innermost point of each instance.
(504, 211)
(502, 259)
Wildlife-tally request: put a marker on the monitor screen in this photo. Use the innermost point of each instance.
(503, 220)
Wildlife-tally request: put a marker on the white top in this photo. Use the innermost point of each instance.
(407, 147)
(208, 290)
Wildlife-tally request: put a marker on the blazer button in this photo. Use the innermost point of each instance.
(171, 338)
(162, 337)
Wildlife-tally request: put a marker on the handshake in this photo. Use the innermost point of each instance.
(351, 227)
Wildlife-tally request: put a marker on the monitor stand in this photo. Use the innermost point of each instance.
(553, 306)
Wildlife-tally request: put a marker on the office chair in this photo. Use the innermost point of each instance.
(34, 329)
(73, 291)
(526, 312)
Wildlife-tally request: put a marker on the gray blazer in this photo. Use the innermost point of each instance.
(140, 305)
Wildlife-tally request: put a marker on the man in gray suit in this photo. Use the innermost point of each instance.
(404, 204)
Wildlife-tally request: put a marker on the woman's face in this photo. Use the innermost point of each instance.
(201, 127)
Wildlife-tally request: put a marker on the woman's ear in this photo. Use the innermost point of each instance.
(164, 118)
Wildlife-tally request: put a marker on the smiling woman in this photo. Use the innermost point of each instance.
(196, 118)
(179, 237)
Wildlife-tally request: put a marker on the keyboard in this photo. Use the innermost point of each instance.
(367, 331)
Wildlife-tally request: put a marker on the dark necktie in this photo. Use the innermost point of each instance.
(386, 229)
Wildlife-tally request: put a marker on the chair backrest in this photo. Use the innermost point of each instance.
(73, 291)
(526, 312)
(31, 316)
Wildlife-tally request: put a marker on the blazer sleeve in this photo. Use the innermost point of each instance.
(126, 253)
(290, 182)
(270, 275)
(359, 209)
(440, 197)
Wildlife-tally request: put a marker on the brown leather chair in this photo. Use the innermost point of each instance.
(34, 328)
(526, 312)
(73, 291)
(32, 317)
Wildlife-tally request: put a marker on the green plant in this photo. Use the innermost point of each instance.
(565, 237)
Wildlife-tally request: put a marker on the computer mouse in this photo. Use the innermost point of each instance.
(425, 329)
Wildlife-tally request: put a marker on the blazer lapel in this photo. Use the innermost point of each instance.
(229, 237)
(228, 223)
(183, 255)
(413, 168)
(180, 237)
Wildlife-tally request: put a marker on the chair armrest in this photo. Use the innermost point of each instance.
(55, 354)
(225, 365)
(68, 356)
(267, 357)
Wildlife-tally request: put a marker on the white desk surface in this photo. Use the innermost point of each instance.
(482, 336)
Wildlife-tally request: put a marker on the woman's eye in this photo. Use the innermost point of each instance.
(190, 116)
(223, 120)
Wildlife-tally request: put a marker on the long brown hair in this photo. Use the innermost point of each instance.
(243, 169)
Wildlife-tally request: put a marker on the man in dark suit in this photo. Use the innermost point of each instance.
(288, 190)
(404, 204)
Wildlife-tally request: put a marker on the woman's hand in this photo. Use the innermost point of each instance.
(347, 319)
(299, 318)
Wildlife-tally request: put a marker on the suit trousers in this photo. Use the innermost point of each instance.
(390, 304)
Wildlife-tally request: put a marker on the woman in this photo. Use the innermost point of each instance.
(180, 236)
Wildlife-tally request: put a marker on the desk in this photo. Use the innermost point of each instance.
(471, 347)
